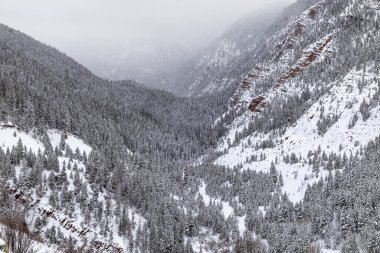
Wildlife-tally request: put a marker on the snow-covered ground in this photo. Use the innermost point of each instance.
(343, 100)
(227, 210)
(73, 141)
(10, 136)
(206, 236)
(40, 207)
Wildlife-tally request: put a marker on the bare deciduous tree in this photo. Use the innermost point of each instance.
(17, 235)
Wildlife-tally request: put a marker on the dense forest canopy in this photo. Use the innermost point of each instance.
(256, 166)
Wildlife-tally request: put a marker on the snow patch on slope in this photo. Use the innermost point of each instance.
(227, 210)
(10, 136)
(71, 140)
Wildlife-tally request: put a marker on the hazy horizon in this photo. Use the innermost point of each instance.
(84, 28)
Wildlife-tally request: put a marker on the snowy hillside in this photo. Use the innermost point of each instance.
(223, 64)
(305, 108)
(301, 138)
(94, 162)
(339, 99)
(286, 161)
(67, 183)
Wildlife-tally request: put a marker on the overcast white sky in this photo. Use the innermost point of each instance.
(77, 26)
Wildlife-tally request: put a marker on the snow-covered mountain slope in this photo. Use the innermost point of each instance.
(342, 101)
(305, 98)
(47, 94)
(10, 135)
(57, 197)
(222, 65)
(304, 121)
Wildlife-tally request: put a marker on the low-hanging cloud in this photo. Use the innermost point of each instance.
(85, 27)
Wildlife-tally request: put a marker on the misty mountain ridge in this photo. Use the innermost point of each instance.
(276, 149)
(146, 63)
(171, 65)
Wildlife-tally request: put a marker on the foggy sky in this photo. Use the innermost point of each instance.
(84, 27)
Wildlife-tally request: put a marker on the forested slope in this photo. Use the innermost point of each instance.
(138, 139)
(287, 164)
